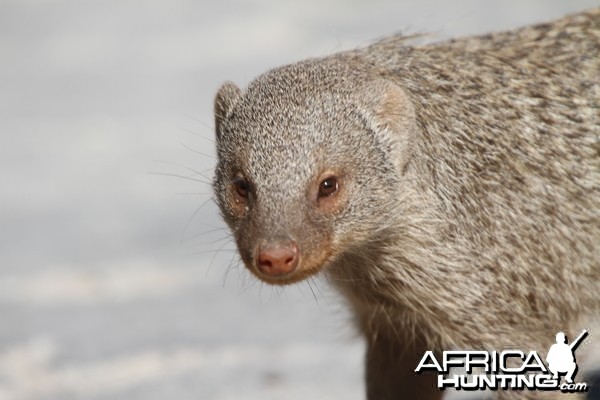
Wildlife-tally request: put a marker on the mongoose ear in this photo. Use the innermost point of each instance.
(393, 116)
(225, 99)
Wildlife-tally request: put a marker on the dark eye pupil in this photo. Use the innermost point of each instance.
(328, 187)
(242, 187)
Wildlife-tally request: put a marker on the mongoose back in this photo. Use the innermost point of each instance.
(450, 191)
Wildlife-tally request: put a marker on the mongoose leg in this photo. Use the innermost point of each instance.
(390, 372)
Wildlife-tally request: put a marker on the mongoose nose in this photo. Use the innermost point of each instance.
(277, 258)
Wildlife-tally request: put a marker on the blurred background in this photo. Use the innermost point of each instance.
(117, 278)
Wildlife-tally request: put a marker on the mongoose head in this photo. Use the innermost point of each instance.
(310, 163)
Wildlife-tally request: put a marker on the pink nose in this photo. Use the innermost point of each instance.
(277, 258)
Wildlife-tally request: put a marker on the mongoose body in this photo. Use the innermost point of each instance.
(450, 191)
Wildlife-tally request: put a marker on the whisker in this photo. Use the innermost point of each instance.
(191, 218)
(313, 292)
(193, 194)
(189, 178)
(197, 151)
(212, 128)
(193, 171)
(319, 291)
(211, 252)
(212, 260)
(217, 229)
(218, 240)
(233, 258)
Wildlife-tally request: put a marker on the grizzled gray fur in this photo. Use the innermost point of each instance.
(450, 191)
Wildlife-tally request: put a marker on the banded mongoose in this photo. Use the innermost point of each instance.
(450, 191)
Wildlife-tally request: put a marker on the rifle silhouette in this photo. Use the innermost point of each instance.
(578, 340)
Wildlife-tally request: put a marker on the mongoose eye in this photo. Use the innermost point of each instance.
(242, 187)
(328, 186)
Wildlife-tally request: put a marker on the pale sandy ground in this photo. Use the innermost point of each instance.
(99, 298)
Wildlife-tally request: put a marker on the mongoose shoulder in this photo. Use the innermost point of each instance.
(451, 191)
